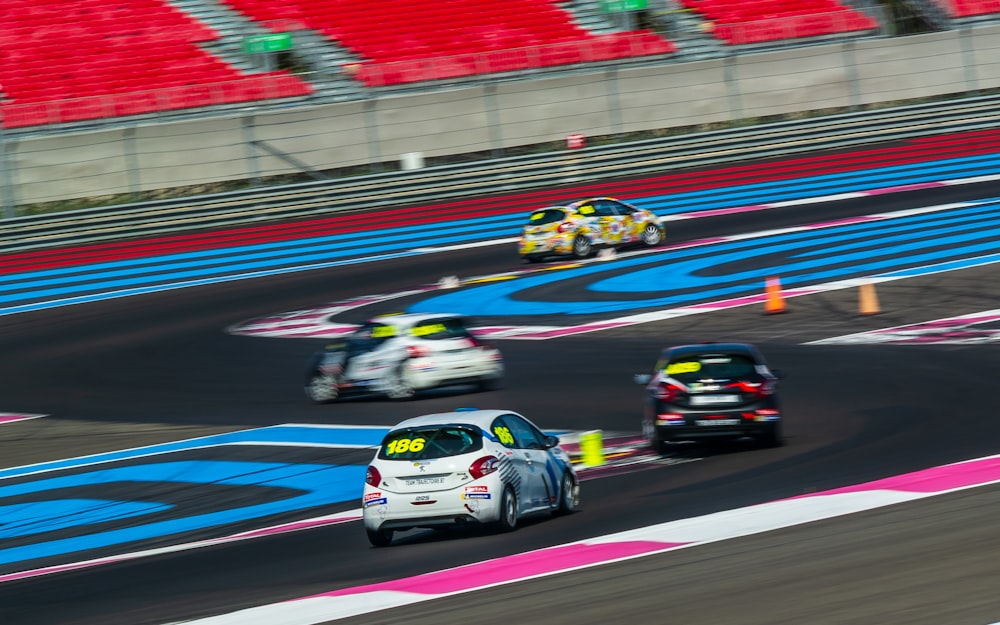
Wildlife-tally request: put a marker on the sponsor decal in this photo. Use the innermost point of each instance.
(376, 502)
(477, 492)
(371, 496)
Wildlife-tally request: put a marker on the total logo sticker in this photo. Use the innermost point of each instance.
(476, 492)
(374, 499)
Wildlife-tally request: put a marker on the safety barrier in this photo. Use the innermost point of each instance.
(498, 175)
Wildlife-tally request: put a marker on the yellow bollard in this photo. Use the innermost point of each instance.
(592, 448)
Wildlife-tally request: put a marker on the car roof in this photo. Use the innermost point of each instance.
(571, 206)
(712, 348)
(480, 418)
(412, 319)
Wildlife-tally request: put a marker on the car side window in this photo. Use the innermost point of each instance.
(369, 337)
(502, 431)
(525, 435)
(605, 208)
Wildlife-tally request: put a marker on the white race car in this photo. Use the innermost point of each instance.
(399, 355)
(486, 467)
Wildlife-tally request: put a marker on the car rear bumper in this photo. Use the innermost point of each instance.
(406, 510)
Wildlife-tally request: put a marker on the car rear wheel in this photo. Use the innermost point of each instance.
(379, 537)
(581, 247)
(399, 386)
(652, 235)
(508, 511)
(322, 388)
(569, 495)
(773, 437)
(489, 384)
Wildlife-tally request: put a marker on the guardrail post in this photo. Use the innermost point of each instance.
(853, 82)
(493, 119)
(732, 86)
(253, 167)
(614, 101)
(6, 185)
(132, 170)
(969, 59)
(371, 132)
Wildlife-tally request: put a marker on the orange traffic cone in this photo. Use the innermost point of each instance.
(868, 299)
(775, 302)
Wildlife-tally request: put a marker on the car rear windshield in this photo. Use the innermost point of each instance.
(709, 367)
(440, 329)
(429, 443)
(546, 216)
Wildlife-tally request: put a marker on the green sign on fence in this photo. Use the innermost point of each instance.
(258, 44)
(620, 6)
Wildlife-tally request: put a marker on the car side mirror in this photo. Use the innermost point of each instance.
(551, 441)
(642, 378)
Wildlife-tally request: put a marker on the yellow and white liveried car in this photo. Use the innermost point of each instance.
(577, 229)
(469, 467)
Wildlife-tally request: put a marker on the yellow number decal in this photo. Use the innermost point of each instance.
(403, 445)
(683, 367)
(383, 332)
(536, 216)
(585, 210)
(503, 433)
(432, 328)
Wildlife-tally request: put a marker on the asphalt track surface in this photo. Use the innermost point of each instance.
(157, 368)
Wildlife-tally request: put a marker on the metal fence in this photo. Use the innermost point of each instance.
(253, 148)
(500, 175)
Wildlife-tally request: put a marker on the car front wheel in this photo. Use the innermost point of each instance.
(581, 247)
(652, 235)
(322, 388)
(569, 495)
(399, 386)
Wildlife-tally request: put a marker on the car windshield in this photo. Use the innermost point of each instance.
(440, 329)
(697, 367)
(546, 216)
(431, 442)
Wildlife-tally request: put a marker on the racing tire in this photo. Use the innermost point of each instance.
(399, 387)
(322, 388)
(773, 437)
(582, 247)
(569, 495)
(508, 511)
(488, 384)
(379, 537)
(652, 235)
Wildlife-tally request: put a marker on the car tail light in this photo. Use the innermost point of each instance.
(415, 351)
(372, 476)
(483, 466)
(666, 391)
(669, 419)
(757, 389)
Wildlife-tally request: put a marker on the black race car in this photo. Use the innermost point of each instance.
(711, 391)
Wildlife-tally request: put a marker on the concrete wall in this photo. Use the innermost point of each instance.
(497, 116)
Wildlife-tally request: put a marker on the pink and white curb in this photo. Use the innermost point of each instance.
(618, 547)
(11, 417)
(960, 330)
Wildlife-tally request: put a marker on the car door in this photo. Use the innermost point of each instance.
(370, 353)
(630, 221)
(527, 488)
(611, 222)
(541, 474)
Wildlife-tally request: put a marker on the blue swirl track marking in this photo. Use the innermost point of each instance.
(957, 237)
(34, 290)
(108, 501)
